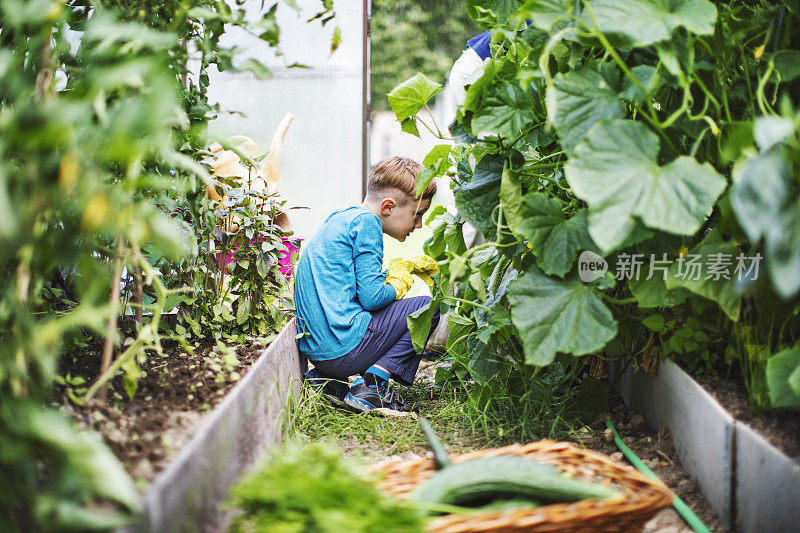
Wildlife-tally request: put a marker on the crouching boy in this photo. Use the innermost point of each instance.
(351, 314)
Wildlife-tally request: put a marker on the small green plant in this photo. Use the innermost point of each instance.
(312, 489)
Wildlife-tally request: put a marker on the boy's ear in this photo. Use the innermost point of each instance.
(387, 205)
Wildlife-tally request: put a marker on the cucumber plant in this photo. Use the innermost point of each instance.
(660, 139)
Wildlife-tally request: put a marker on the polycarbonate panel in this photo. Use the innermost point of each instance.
(322, 151)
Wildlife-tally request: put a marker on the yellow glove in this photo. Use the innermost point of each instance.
(424, 267)
(399, 277)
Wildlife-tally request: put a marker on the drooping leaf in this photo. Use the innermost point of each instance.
(709, 270)
(765, 205)
(555, 240)
(760, 191)
(614, 170)
(259, 70)
(419, 324)
(483, 364)
(771, 130)
(436, 162)
(498, 319)
(635, 23)
(477, 199)
(505, 110)
(558, 316)
(458, 329)
(581, 97)
(336, 39)
(412, 95)
(780, 368)
(511, 198)
(409, 125)
(783, 251)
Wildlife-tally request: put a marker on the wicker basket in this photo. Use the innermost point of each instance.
(642, 497)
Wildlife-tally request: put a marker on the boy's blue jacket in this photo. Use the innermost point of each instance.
(339, 281)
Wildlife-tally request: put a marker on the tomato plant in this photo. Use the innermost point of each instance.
(102, 130)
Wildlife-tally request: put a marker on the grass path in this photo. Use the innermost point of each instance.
(371, 437)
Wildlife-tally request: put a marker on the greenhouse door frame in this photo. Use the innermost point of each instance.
(365, 96)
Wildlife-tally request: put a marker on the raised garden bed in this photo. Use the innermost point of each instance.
(753, 485)
(192, 435)
(188, 493)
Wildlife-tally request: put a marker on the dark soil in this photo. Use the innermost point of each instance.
(166, 409)
(780, 428)
(656, 450)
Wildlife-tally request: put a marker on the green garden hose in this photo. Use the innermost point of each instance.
(692, 519)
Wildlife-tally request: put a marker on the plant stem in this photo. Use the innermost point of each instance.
(111, 327)
(468, 302)
(618, 301)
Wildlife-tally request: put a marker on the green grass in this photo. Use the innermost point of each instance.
(462, 418)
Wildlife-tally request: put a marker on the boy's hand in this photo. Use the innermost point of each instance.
(424, 267)
(399, 277)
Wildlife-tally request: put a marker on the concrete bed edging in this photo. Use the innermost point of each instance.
(187, 494)
(753, 486)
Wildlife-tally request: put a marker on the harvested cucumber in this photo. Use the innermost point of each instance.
(487, 479)
(492, 478)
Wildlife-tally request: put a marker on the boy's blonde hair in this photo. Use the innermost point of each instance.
(398, 173)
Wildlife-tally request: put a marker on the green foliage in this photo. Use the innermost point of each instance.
(313, 489)
(783, 378)
(667, 132)
(101, 135)
(409, 97)
(410, 36)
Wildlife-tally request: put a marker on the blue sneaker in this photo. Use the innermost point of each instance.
(365, 398)
(333, 389)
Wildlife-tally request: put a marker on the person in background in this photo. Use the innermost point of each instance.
(468, 68)
(352, 316)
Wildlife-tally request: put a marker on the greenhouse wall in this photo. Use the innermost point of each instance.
(322, 161)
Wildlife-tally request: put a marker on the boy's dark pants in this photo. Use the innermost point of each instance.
(387, 343)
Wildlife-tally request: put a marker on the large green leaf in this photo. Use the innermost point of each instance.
(711, 256)
(555, 239)
(554, 316)
(783, 251)
(761, 188)
(580, 98)
(781, 367)
(771, 130)
(615, 171)
(477, 199)
(765, 205)
(632, 23)
(505, 110)
(412, 95)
